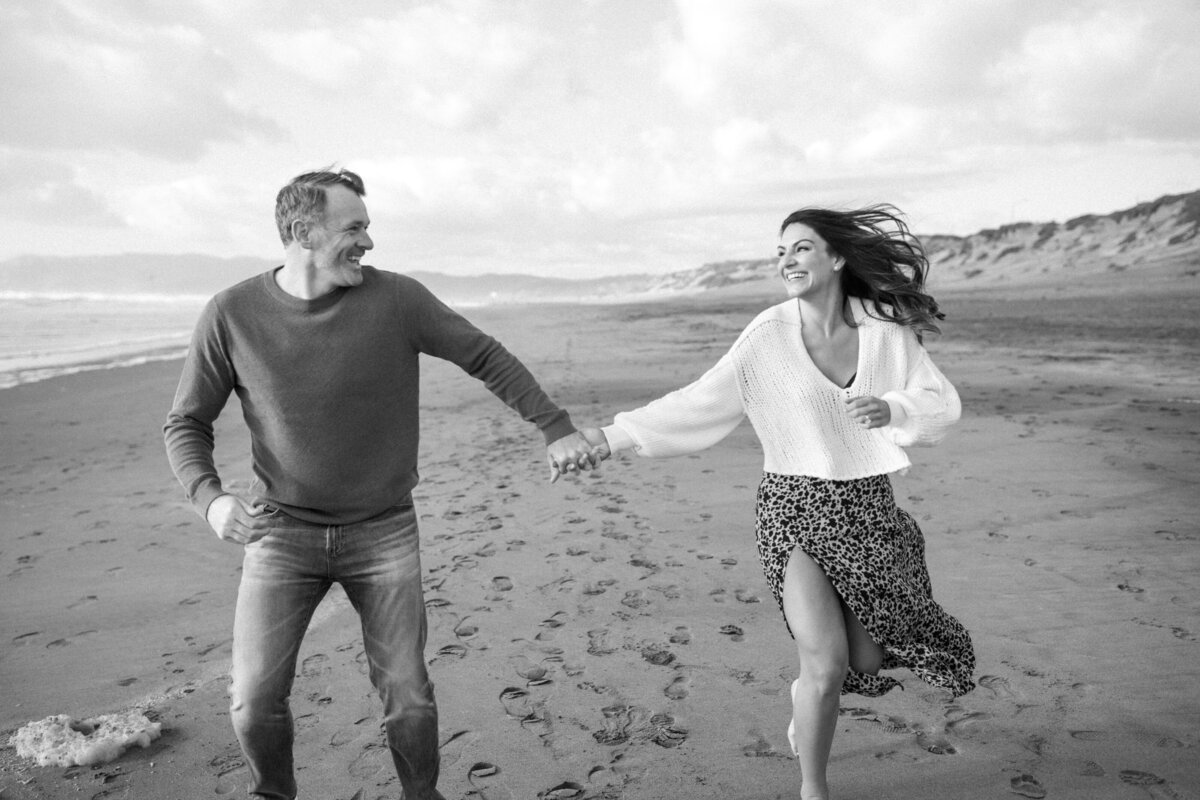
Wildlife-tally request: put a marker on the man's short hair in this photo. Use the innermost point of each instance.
(303, 199)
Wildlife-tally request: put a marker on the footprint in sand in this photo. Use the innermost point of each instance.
(935, 744)
(635, 599)
(681, 635)
(230, 777)
(465, 630)
(658, 656)
(345, 736)
(618, 719)
(998, 686)
(518, 705)
(368, 762)
(555, 620)
(665, 733)
(1027, 786)
(564, 791)
(598, 643)
(679, 688)
(536, 674)
(83, 601)
(1155, 786)
(894, 725)
(502, 583)
(759, 747)
(486, 782)
(959, 719)
(670, 591)
(305, 721)
(451, 750)
(734, 633)
(314, 665)
(69, 640)
(746, 596)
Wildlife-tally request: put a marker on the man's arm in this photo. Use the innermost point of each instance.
(204, 387)
(442, 332)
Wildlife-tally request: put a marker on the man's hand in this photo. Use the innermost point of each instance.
(598, 441)
(570, 454)
(234, 521)
(870, 412)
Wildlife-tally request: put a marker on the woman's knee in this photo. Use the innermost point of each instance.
(824, 671)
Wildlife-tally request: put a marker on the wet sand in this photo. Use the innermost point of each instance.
(612, 636)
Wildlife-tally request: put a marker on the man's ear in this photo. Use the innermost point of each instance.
(302, 233)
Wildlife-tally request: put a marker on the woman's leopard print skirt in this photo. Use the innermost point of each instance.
(874, 555)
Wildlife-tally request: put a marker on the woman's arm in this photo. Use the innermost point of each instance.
(687, 420)
(923, 411)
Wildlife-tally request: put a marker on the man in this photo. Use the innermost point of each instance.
(323, 355)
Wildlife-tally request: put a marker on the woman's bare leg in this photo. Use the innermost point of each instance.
(865, 655)
(814, 613)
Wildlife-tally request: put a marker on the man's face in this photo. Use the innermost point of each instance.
(339, 239)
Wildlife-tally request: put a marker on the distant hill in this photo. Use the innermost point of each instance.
(1150, 237)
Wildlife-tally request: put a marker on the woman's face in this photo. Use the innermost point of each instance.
(806, 265)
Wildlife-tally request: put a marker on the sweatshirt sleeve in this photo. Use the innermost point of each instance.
(928, 405)
(442, 332)
(204, 387)
(685, 421)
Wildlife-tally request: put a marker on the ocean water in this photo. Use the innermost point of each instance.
(46, 335)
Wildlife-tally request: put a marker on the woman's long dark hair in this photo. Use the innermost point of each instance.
(885, 264)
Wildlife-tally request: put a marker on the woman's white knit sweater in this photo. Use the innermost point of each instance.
(799, 414)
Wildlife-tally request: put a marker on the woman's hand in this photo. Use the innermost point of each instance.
(870, 412)
(599, 442)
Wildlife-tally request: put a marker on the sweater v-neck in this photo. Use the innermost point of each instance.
(855, 307)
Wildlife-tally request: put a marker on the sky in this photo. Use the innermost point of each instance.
(579, 138)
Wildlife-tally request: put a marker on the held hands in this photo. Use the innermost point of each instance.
(869, 412)
(234, 521)
(575, 453)
(599, 442)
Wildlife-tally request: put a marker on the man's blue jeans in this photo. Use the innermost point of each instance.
(284, 576)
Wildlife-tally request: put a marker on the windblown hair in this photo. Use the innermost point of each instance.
(885, 263)
(303, 199)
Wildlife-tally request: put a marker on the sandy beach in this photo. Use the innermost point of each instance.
(612, 636)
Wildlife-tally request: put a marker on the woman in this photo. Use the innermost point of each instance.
(835, 382)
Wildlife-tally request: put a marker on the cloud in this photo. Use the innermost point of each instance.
(35, 189)
(84, 80)
(452, 65)
(1115, 73)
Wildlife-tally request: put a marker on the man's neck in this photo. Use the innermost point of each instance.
(300, 278)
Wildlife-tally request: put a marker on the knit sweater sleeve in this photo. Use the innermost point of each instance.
(685, 421)
(204, 387)
(928, 405)
(444, 333)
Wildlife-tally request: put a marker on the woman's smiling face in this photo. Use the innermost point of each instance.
(807, 266)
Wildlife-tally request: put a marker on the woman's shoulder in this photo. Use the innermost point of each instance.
(768, 324)
(785, 312)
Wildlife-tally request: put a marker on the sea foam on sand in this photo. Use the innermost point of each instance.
(63, 741)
